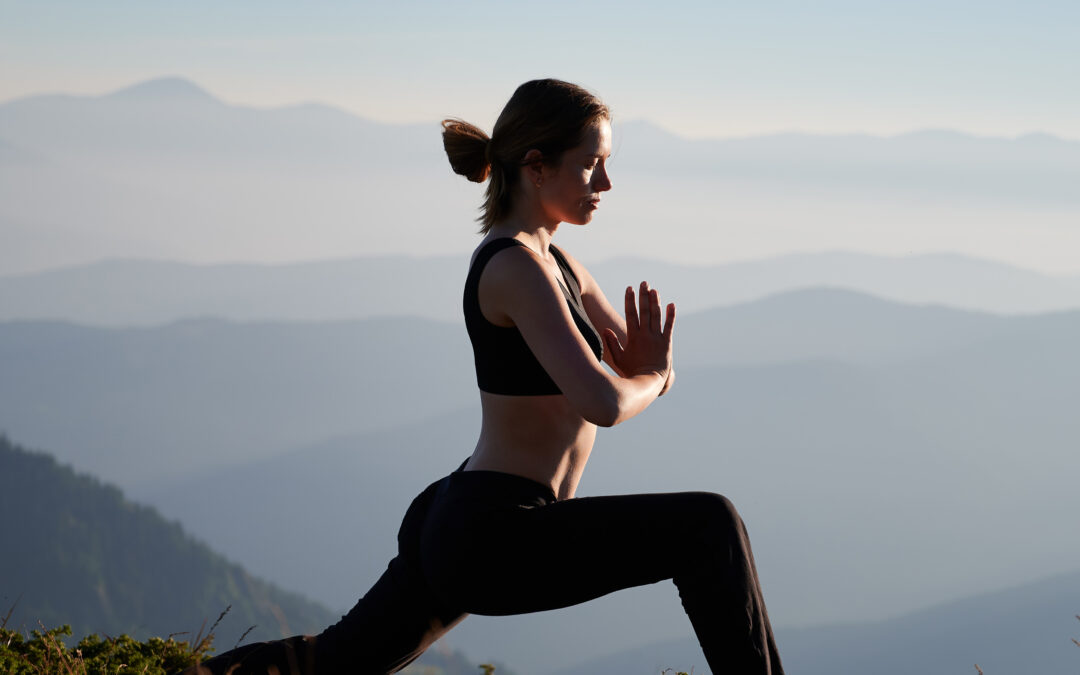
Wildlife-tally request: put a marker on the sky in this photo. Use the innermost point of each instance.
(698, 69)
(715, 69)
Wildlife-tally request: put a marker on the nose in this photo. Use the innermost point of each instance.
(601, 179)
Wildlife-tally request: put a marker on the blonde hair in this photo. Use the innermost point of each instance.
(550, 116)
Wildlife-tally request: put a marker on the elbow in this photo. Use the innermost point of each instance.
(605, 411)
(610, 401)
(603, 420)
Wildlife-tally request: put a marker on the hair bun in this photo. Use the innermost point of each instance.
(468, 149)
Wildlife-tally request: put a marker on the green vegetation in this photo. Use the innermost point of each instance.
(44, 653)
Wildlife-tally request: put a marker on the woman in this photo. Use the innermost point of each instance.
(504, 534)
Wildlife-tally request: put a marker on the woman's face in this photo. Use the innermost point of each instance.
(571, 192)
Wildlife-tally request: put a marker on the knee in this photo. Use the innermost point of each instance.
(717, 505)
(718, 541)
(716, 511)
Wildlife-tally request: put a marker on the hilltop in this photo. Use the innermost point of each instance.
(80, 553)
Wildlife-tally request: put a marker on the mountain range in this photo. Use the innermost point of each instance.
(228, 392)
(145, 293)
(896, 426)
(918, 434)
(164, 170)
(1025, 629)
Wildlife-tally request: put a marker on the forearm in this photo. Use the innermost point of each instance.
(629, 396)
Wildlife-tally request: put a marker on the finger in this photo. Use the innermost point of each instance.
(643, 304)
(654, 310)
(669, 322)
(631, 311)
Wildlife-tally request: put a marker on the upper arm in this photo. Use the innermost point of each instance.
(600, 312)
(516, 285)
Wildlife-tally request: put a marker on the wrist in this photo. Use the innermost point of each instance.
(668, 381)
(655, 378)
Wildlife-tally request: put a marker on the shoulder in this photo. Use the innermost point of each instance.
(507, 258)
(513, 279)
(584, 279)
(515, 269)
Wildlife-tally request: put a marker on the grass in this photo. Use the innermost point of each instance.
(44, 652)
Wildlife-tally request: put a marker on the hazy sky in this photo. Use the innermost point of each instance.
(696, 68)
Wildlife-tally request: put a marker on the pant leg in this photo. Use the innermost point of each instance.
(290, 656)
(385, 631)
(528, 557)
(398, 618)
(391, 626)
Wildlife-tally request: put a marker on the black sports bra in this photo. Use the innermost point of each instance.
(504, 362)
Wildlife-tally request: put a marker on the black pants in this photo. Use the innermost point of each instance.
(491, 543)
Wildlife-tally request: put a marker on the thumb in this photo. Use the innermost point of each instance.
(612, 344)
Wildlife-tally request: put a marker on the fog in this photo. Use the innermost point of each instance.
(250, 319)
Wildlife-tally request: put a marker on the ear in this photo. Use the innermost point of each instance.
(533, 165)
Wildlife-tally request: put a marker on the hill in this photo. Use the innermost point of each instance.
(79, 553)
(1023, 629)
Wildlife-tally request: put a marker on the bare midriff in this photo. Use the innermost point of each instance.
(538, 437)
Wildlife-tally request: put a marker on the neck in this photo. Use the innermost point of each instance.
(527, 221)
(536, 237)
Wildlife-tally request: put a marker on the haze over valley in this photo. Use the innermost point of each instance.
(249, 319)
(918, 434)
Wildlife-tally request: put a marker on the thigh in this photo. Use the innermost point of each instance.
(545, 557)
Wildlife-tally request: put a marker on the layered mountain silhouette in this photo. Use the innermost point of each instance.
(889, 453)
(163, 169)
(145, 292)
(878, 451)
(1025, 629)
(231, 391)
(163, 89)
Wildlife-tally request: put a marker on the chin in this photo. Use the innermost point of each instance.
(583, 219)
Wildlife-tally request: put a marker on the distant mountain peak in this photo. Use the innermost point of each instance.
(952, 135)
(654, 132)
(164, 89)
(1041, 137)
(935, 135)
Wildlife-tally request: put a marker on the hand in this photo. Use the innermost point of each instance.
(670, 381)
(648, 344)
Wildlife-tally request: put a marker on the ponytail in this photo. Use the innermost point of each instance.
(467, 146)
